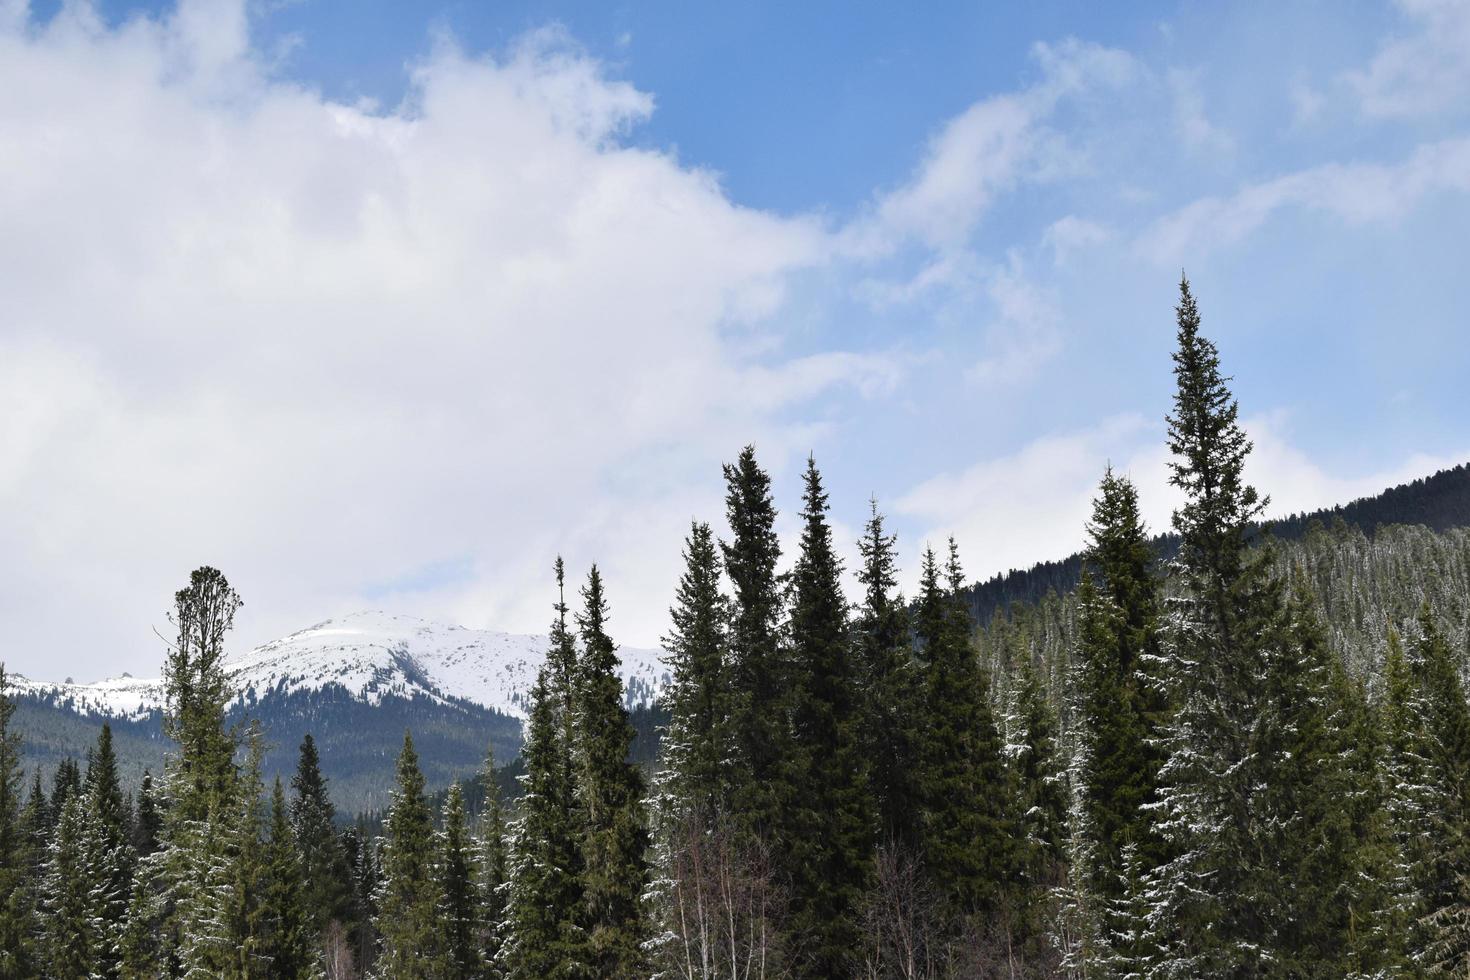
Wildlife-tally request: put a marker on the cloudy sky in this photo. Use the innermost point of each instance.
(377, 304)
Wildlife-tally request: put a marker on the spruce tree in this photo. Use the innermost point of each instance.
(1250, 749)
(459, 908)
(758, 681)
(610, 788)
(1043, 799)
(888, 689)
(148, 823)
(545, 938)
(1442, 875)
(1120, 695)
(17, 909)
(289, 945)
(492, 863)
(70, 934)
(697, 750)
(969, 842)
(108, 856)
(319, 848)
(409, 896)
(832, 844)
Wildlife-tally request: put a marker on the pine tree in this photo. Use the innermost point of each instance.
(197, 694)
(459, 908)
(758, 681)
(409, 896)
(833, 841)
(969, 833)
(615, 841)
(888, 685)
(318, 846)
(289, 942)
(492, 863)
(697, 750)
(17, 909)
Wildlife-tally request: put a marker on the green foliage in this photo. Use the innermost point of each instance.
(410, 895)
(889, 691)
(970, 844)
(610, 789)
(758, 669)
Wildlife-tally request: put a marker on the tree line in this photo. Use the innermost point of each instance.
(841, 791)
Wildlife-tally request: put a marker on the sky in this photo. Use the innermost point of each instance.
(383, 305)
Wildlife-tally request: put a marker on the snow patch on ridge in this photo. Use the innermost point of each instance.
(372, 655)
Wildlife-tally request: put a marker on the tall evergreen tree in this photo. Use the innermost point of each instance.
(1120, 696)
(108, 854)
(615, 837)
(888, 689)
(289, 944)
(492, 862)
(833, 840)
(148, 823)
(1442, 872)
(17, 909)
(758, 680)
(697, 753)
(197, 693)
(70, 934)
(969, 834)
(409, 896)
(319, 848)
(459, 907)
(1250, 752)
(545, 938)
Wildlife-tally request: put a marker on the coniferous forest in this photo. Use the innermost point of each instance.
(1222, 754)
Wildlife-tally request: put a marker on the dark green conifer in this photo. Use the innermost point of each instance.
(318, 846)
(409, 896)
(758, 680)
(18, 923)
(833, 838)
(492, 862)
(970, 840)
(697, 753)
(545, 938)
(289, 945)
(610, 789)
(889, 691)
(459, 908)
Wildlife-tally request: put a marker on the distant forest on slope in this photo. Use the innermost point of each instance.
(1438, 502)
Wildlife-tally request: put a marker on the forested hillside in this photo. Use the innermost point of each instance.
(1244, 757)
(1438, 502)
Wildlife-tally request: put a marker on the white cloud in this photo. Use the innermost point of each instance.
(1355, 193)
(1195, 129)
(1072, 234)
(1025, 333)
(1423, 72)
(318, 344)
(988, 149)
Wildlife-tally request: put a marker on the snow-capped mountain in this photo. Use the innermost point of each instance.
(370, 655)
(356, 684)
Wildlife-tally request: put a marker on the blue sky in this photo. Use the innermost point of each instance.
(384, 304)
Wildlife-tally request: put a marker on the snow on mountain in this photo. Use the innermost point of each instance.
(372, 655)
